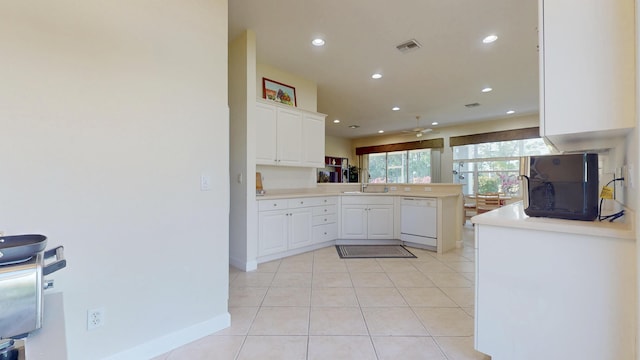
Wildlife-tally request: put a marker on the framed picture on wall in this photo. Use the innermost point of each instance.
(279, 92)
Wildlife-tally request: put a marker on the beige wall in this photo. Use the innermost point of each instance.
(242, 95)
(111, 111)
(339, 147)
(306, 90)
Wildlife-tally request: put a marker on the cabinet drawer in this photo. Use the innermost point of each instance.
(325, 219)
(304, 202)
(331, 200)
(325, 232)
(266, 205)
(323, 210)
(312, 201)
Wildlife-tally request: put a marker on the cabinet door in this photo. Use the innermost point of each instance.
(380, 222)
(289, 137)
(587, 66)
(272, 232)
(313, 140)
(354, 222)
(300, 224)
(266, 126)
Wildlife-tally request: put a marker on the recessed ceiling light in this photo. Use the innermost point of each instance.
(376, 76)
(380, 131)
(395, 108)
(336, 121)
(317, 42)
(434, 123)
(489, 39)
(354, 126)
(487, 89)
(510, 112)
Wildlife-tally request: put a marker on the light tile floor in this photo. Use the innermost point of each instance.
(318, 306)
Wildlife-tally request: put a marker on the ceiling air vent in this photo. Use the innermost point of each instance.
(472, 105)
(410, 45)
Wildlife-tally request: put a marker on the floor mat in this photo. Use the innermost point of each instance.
(373, 251)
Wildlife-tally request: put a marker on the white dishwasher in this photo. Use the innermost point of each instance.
(418, 221)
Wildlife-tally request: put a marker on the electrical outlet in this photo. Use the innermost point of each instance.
(95, 318)
(407, 189)
(394, 188)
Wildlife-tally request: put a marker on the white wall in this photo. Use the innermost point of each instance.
(110, 112)
(287, 177)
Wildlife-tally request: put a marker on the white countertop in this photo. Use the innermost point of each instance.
(50, 341)
(513, 216)
(349, 193)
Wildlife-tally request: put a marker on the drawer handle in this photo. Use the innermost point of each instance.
(325, 210)
(301, 202)
(275, 204)
(325, 219)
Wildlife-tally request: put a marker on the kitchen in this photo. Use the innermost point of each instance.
(279, 180)
(72, 152)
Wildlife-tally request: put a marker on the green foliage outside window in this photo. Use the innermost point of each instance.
(487, 184)
(405, 167)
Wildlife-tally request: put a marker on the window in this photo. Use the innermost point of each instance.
(493, 166)
(401, 167)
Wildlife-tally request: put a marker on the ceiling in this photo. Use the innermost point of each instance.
(434, 82)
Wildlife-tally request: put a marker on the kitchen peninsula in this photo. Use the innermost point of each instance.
(295, 221)
(554, 289)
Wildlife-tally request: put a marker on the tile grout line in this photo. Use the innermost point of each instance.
(349, 272)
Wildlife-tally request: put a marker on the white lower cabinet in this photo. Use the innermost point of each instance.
(273, 231)
(300, 222)
(367, 217)
(285, 225)
(325, 223)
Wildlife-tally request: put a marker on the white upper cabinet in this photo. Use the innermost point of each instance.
(286, 136)
(313, 140)
(266, 134)
(289, 137)
(587, 73)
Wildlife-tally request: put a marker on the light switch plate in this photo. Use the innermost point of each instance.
(205, 182)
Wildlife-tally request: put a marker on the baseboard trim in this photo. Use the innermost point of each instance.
(243, 265)
(174, 340)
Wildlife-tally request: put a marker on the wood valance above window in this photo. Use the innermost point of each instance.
(413, 145)
(496, 136)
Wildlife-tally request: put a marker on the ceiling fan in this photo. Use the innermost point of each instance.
(418, 131)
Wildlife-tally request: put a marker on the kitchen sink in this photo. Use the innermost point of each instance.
(352, 192)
